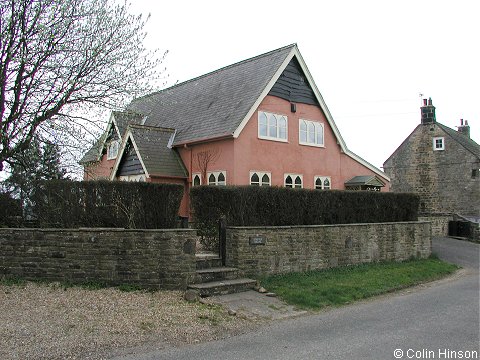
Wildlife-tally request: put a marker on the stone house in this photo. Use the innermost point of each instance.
(261, 122)
(442, 166)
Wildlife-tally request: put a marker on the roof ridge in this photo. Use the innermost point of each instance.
(465, 141)
(217, 70)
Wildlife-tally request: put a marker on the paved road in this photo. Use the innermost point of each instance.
(435, 321)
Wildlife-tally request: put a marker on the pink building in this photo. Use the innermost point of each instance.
(261, 121)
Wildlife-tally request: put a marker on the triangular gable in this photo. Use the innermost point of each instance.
(298, 64)
(126, 143)
(369, 180)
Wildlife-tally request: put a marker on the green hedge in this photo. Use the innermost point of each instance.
(275, 206)
(69, 204)
(9, 209)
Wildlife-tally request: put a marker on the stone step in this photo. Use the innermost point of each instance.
(207, 261)
(223, 287)
(216, 274)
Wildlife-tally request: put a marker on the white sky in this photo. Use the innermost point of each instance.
(369, 59)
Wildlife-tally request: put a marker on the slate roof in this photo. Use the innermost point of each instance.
(95, 151)
(125, 118)
(371, 180)
(462, 139)
(153, 146)
(214, 104)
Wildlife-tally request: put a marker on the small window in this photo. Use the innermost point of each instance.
(293, 181)
(217, 178)
(112, 149)
(197, 180)
(260, 178)
(322, 182)
(438, 143)
(311, 133)
(272, 126)
(475, 173)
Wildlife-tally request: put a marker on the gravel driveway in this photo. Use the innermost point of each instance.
(48, 321)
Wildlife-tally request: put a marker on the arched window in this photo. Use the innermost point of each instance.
(303, 131)
(265, 180)
(211, 180)
(254, 179)
(262, 124)
(326, 184)
(221, 179)
(197, 180)
(272, 126)
(288, 181)
(298, 182)
(318, 183)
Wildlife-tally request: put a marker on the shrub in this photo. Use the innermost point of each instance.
(276, 206)
(69, 204)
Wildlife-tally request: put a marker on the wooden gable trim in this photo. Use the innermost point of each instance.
(128, 136)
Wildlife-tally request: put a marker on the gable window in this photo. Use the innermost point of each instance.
(293, 181)
(438, 143)
(272, 126)
(310, 133)
(322, 182)
(217, 178)
(260, 178)
(197, 180)
(112, 149)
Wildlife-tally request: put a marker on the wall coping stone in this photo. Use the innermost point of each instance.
(99, 230)
(329, 225)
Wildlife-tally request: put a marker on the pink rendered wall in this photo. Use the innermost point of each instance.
(278, 158)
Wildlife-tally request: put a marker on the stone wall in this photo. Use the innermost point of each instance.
(157, 259)
(273, 250)
(439, 223)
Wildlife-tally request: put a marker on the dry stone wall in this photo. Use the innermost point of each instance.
(273, 250)
(157, 259)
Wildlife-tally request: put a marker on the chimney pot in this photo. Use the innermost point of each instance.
(430, 101)
(461, 122)
(424, 102)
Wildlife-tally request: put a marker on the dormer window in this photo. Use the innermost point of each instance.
(112, 149)
(438, 143)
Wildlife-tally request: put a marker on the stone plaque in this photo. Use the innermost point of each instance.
(258, 240)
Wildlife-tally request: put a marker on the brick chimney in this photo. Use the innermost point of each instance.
(428, 112)
(464, 128)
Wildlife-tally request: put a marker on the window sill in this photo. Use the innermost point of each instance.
(273, 139)
(312, 145)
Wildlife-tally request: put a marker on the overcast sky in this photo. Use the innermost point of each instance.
(369, 59)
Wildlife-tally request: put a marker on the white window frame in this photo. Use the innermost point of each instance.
(322, 179)
(277, 117)
(261, 174)
(438, 148)
(294, 177)
(316, 125)
(216, 175)
(112, 149)
(136, 178)
(193, 179)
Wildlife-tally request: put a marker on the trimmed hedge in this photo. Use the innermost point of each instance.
(276, 206)
(136, 205)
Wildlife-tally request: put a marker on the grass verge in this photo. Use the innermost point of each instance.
(315, 290)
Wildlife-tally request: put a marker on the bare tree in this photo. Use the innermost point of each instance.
(62, 57)
(204, 158)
